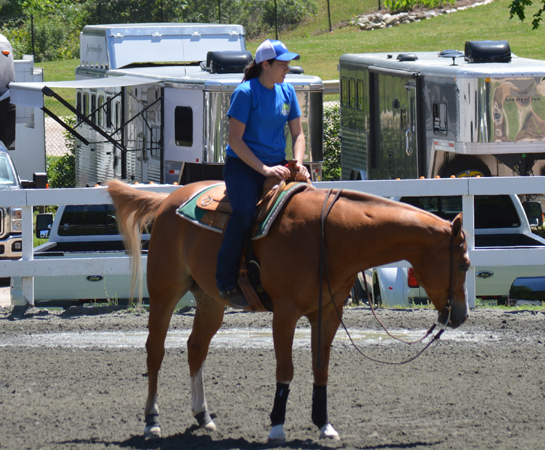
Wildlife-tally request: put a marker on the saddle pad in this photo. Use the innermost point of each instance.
(216, 220)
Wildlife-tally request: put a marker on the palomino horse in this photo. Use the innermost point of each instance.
(361, 231)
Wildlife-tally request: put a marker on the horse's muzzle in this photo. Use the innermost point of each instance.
(453, 316)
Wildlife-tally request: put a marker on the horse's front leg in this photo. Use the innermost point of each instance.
(283, 331)
(208, 319)
(322, 337)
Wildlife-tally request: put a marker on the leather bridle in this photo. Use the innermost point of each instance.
(323, 269)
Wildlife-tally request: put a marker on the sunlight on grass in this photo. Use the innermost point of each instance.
(320, 50)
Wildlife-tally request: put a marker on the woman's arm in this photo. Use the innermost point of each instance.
(299, 144)
(236, 131)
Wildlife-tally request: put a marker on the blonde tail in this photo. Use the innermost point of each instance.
(135, 209)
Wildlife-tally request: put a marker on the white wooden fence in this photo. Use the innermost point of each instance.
(28, 268)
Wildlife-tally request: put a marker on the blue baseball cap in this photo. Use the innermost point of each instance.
(272, 49)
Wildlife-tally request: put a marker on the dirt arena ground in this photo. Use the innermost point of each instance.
(481, 387)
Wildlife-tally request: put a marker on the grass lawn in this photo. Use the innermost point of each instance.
(320, 50)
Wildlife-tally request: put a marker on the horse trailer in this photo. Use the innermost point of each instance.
(448, 113)
(152, 101)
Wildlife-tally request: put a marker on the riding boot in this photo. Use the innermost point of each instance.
(235, 297)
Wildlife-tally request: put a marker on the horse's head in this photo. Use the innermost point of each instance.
(442, 273)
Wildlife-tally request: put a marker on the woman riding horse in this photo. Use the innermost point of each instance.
(361, 231)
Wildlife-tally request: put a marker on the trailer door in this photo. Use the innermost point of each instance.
(394, 124)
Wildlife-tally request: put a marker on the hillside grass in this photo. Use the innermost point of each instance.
(320, 49)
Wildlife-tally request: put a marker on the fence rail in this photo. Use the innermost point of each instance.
(27, 267)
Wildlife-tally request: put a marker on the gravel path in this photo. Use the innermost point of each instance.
(482, 387)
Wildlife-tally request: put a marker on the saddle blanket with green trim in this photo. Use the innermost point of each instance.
(216, 220)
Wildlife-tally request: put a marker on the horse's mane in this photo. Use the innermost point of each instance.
(372, 199)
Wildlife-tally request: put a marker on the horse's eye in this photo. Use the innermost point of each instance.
(464, 267)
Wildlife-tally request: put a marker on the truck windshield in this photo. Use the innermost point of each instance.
(491, 211)
(7, 174)
(88, 220)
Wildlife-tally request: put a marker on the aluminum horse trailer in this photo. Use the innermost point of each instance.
(151, 101)
(448, 113)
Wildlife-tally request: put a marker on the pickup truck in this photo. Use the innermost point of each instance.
(81, 231)
(11, 244)
(500, 221)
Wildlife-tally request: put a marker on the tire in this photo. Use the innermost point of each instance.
(466, 166)
(359, 294)
(377, 298)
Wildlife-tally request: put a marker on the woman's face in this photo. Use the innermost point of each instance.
(276, 71)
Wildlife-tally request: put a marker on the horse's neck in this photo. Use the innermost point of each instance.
(381, 233)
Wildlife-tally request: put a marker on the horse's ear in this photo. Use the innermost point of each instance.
(456, 224)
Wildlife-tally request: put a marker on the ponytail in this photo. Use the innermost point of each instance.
(252, 70)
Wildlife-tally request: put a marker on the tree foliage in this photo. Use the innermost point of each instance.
(49, 29)
(519, 7)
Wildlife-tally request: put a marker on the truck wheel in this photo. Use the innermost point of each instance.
(466, 166)
(359, 293)
(377, 298)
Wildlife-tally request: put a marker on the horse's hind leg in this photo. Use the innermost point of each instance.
(162, 304)
(207, 321)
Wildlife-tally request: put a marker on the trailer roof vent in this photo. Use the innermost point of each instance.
(487, 52)
(451, 54)
(227, 61)
(406, 57)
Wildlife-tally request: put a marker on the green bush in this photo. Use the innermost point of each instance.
(331, 169)
(395, 6)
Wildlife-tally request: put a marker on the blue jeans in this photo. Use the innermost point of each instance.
(244, 186)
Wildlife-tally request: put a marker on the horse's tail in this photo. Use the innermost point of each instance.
(135, 209)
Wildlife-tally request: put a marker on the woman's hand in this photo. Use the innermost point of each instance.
(301, 169)
(281, 172)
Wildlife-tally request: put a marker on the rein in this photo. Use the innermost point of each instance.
(323, 265)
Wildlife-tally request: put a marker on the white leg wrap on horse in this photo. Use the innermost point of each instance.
(277, 436)
(199, 407)
(328, 432)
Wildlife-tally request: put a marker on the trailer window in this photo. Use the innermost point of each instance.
(109, 112)
(344, 92)
(100, 110)
(78, 102)
(86, 104)
(352, 92)
(117, 114)
(183, 126)
(440, 118)
(93, 108)
(361, 94)
(154, 144)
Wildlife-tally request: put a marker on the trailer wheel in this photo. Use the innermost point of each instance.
(466, 166)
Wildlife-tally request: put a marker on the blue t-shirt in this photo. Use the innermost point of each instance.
(265, 113)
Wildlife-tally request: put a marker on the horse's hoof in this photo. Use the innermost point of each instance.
(328, 432)
(277, 436)
(152, 432)
(210, 426)
(205, 421)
